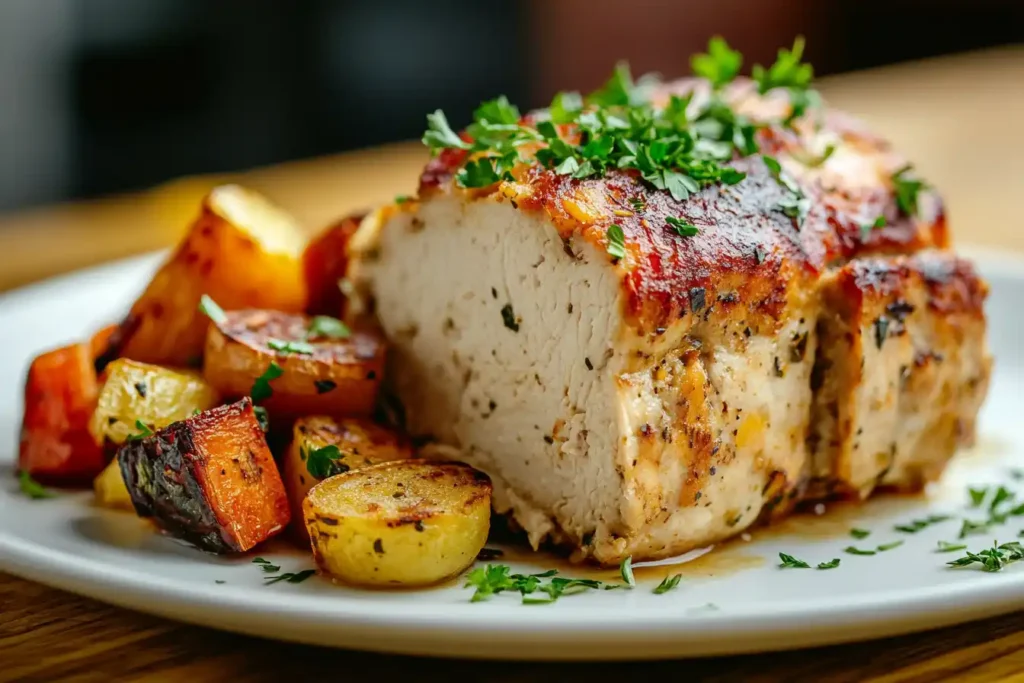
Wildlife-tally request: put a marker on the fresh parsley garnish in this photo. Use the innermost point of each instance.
(626, 570)
(889, 546)
(866, 228)
(1001, 495)
(973, 528)
(402, 199)
(907, 190)
(787, 71)
(32, 488)
(535, 589)
(860, 533)
(853, 550)
(261, 389)
(992, 559)
(667, 584)
(266, 565)
(616, 241)
(791, 562)
(916, 525)
(440, 135)
(947, 547)
(326, 327)
(144, 431)
(681, 227)
(977, 495)
(290, 577)
(325, 462)
(209, 308)
(831, 564)
(720, 64)
(300, 348)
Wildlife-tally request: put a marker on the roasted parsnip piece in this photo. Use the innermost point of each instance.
(322, 447)
(325, 370)
(241, 250)
(149, 394)
(402, 523)
(110, 489)
(209, 480)
(60, 396)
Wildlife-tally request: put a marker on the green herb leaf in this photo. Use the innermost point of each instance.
(439, 134)
(973, 528)
(325, 462)
(32, 488)
(1001, 495)
(667, 584)
(977, 495)
(860, 533)
(290, 577)
(907, 190)
(402, 199)
(917, 524)
(829, 565)
(535, 589)
(261, 389)
(616, 241)
(789, 561)
(681, 227)
(144, 431)
(889, 546)
(720, 65)
(857, 551)
(866, 228)
(498, 110)
(812, 161)
(566, 107)
(947, 547)
(617, 91)
(626, 570)
(211, 310)
(787, 71)
(326, 327)
(992, 559)
(300, 348)
(483, 172)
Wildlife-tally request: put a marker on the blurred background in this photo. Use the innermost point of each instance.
(108, 96)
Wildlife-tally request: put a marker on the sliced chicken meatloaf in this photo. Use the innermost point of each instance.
(642, 374)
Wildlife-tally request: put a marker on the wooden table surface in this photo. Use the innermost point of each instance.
(958, 117)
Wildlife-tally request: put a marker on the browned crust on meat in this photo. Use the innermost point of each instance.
(746, 243)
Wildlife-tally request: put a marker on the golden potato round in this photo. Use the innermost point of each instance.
(402, 523)
(358, 443)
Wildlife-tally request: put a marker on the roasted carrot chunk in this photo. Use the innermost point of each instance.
(324, 263)
(60, 395)
(323, 371)
(209, 480)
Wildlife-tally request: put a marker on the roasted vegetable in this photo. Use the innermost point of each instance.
(325, 370)
(242, 251)
(60, 395)
(403, 523)
(322, 447)
(110, 489)
(155, 396)
(324, 263)
(209, 480)
(102, 344)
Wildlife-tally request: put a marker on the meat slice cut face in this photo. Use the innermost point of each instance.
(901, 371)
(650, 399)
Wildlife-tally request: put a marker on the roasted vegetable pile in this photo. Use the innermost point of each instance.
(238, 344)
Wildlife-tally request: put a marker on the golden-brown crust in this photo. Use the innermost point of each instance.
(746, 243)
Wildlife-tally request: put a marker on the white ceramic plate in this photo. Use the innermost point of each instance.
(735, 599)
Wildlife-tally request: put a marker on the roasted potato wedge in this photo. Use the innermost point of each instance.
(324, 263)
(321, 376)
(60, 395)
(110, 489)
(403, 523)
(139, 392)
(209, 480)
(322, 447)
(242, 251)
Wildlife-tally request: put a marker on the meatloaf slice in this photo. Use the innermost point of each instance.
(901, 371)
(651, 399)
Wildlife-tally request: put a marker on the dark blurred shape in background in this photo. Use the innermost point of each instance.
(102, 96)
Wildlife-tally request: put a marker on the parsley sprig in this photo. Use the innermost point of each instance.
(325, 462)
(32, 488)
(992, 559)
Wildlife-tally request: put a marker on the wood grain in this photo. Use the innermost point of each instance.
(957, 117)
